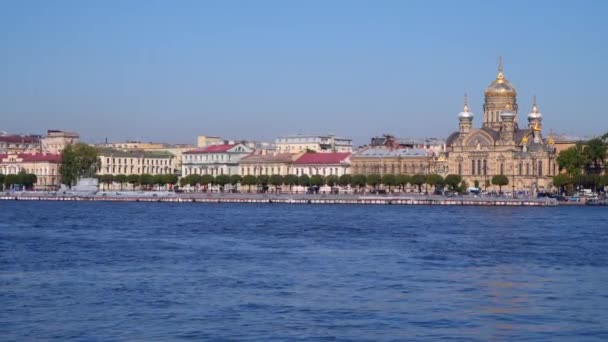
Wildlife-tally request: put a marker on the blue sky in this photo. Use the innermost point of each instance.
(172, 70)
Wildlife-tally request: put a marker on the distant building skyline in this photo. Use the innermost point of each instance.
(261, 70)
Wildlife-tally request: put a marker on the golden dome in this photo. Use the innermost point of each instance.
(500, 86)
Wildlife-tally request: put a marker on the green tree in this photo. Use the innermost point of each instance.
(206, 180)
(476, 183)
(434, 180)
(332, 180)
(78, 161)
(359, 181)
(106, 180)
(263, 180)
(222, 181)
(402, 181)
(249, 180)
(121, 180)
(27, 180)
(389, 180)
(158, 180)
(235, 180)
(500, 180)
(276, 181)
(304, 180)
(561, 181)
(290, 180)
(133, 180)
(317, 180)
(2, 181)
(573, 160)
(345, 180)
(453, 181)
(374, 181)
(146, 180)
(418, 180)
(11, 180)
(596, 153)
(170, 179)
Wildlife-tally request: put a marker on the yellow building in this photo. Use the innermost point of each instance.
(203, 141)
(316, 143)
(500, 147)
(44, 165)
(116, 162)
(55, 141)
(268, 164)
(385, 160)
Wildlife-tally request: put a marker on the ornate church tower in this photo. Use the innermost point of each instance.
(498, 96)
(465, 119)
(535, 119)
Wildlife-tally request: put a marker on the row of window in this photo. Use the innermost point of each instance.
(140, 170)
(207, 157)
(480, 168)
(146, 161)
(326, 171)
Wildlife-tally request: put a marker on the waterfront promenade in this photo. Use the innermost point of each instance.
(284, 198)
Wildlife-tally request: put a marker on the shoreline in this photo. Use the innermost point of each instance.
(294, 199)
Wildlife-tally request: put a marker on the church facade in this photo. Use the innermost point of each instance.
(500, 146)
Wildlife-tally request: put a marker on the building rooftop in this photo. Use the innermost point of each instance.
(212, 149)
(269, 158)
(388, 152)
(322, 158)
(34, 157)
(109, 152)
(20, 139)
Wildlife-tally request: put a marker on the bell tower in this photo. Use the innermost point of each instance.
(499, 95)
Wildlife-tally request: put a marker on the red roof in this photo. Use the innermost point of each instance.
(212, 149)
(322, 158)
(35, 157)
(20, 139)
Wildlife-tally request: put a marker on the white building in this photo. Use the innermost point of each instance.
(324, 164)
(214, 160)
(317, 143)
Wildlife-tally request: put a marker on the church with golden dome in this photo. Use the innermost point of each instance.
(500, 146)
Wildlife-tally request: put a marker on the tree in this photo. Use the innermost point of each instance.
(359, 181)
(120, 179)
(235, 180)
(133, 180)
(106, 180)
(158, 180)
(573, 160)
(402, 181)
(435, 180)
(78, 161)
(453, 181)
(222, 181)
(2, 181)
(170, 179)
(304, 180)
(317, 180)
(345, 180)
(11, 180)
(249, 180)
(290, 180)
(206, 180)
(332, 180)
(418, 180)
(276, 181)
(596, 153)
(146, 180)
(561, 181)
(389, 180)
(500, 180)
(374, 181)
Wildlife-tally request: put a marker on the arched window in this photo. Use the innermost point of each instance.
(473, 167)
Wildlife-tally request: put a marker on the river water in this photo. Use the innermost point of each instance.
(162, 271)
